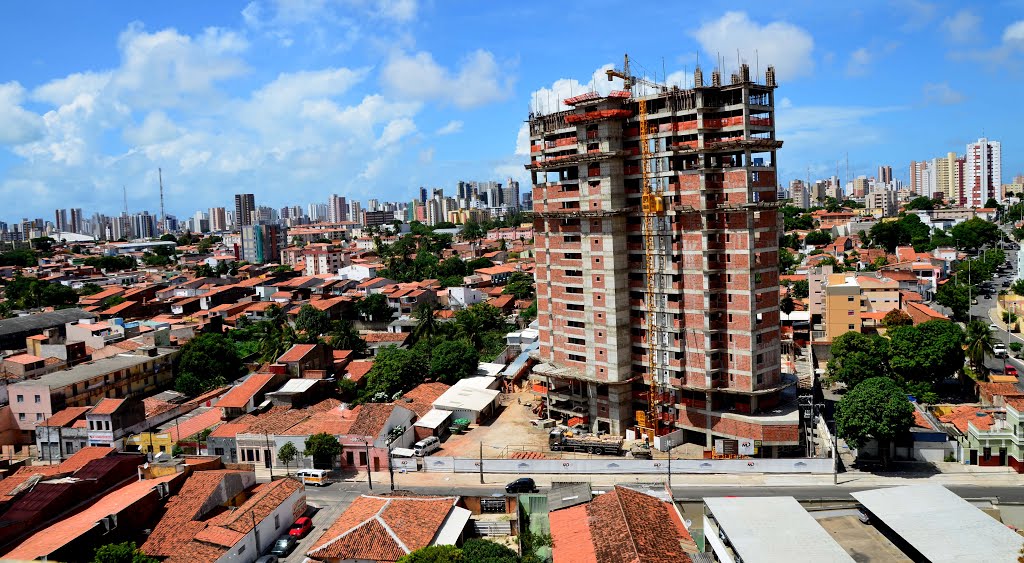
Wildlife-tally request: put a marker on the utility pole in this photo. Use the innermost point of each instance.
(481, 463)
(369, 479)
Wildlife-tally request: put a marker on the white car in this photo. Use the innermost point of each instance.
(999, 350)
(994, 327)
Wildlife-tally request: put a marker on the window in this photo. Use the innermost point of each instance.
(577, 341)
(849, 327)
(574, 307)
(850, 299)
(21, 416)
(575, 324)
(570, 238)
(21, 398)
(577, 358)
(573, 256)
(574, 273)
(241, 550)
(218, 451)
(760, 378)
(39, 416)
(39, 399)
(577, 290)
(277, 521)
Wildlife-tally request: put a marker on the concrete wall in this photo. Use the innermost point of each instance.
(293, 507)
(637, 466)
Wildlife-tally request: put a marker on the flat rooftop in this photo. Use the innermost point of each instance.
(773, 530)
(87, 371)
(940, 525)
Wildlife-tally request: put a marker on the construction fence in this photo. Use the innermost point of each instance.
(628, 466)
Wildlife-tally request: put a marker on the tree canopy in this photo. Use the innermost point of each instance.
(124, 552)
(206, 362)
(29, 293)
(857, 357)
(920, 202)
(956, 297)
(975, 233)
(395, 370)
(876, 408)
(374, 307)
(907, 230)
(929, 352)
(896, 317)
(453, 360)
(817, 238)
(323, 448)
(312, 321)
(520, 285)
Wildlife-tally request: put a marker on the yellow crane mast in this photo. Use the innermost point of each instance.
(652, 206)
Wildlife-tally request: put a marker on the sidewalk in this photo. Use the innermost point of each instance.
(969, 475)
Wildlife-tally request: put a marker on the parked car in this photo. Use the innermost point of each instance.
(426, 446)
(1010, 370)
(301, 527)
(267, 559)
(994, 326)
(999, 350)
(283, 546)
(521, 485)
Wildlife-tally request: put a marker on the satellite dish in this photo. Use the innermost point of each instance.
(688, 523)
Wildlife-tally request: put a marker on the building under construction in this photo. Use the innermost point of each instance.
(657, 232)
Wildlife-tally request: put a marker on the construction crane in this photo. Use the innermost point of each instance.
(653, 207)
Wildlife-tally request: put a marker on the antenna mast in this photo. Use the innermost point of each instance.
(124, 193)
(163, 218)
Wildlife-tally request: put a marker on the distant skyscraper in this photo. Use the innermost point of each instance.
(917, 177)
(337, 209)
(885, 174)
(218, 219)
(76, 220)
(983, 172)
(355, 212)
(245, 209)
(60, 220)
(423, 194)
(510, 194)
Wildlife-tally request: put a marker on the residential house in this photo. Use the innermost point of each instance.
(111, 420)
(384, 528)
(63, 434)
(301, 359)
(247, 395)
(369, 436)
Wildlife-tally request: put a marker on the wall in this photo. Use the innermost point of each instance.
(293, 507)
(637, 466)
(28, 407)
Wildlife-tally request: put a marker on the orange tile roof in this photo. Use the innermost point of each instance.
(626, 526)
(571, 539)
(156, 406)
(960, 416)
(107, 406)
(335, 422)
(50, 539)
(383, 528)
(420, 399)
(296, 353)
(24, 359)
(371, 419)
(239, 395)
(372, 337)
(65, 417)
(195, 424)
(357, 370)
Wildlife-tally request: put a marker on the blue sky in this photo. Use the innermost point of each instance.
(295, 100)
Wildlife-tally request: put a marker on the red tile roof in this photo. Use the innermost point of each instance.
(296, 353)
(571, 539)
(66, 417)
(195, 424)
(239, 395)
(50, 539)
(357, 370)
(371, 419)
(625, 526)
(107, 406)
(373, 337)
(335, 422)
(420, 399)
(960, 416)
(24, 359)
(383, 528)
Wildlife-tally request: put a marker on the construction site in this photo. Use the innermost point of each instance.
(657, 232)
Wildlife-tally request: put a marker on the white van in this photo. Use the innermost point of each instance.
(426, 446)
(316, 477)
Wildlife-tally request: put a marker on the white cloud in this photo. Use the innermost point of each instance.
(398, 10)
(426, 156)
(451, 127)
(155, 128)
(17, 125)
(919, 13)
(523, 140)
(963, 26)
(1014, 33)
(859, 61)
(942, 94)
(551, 99)
(64, 90)
(787, 46)
(996, 57)
(395, 131)
(477, 81)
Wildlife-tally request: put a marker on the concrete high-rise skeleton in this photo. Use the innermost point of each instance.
(715, 263)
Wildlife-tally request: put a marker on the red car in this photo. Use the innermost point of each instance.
(301, 527)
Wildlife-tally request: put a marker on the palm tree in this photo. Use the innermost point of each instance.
(427, 325)
(978, 342)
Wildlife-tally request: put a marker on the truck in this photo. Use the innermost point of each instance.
(561, 439)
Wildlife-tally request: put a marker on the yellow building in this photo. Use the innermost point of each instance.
(462, 216)
(857, 303)
(151, 442)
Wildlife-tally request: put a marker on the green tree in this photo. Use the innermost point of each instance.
(155, 260)
(817, 238)
(877, 408)
(956, 297)
(125, 552)
(857, 357)
(521, 285)
(475, 321)
(485, 551)
(801, 289)
(43, 244)
(1018, 287)
(204, 271)
(529, 313)
(323, 448)
(975, 233)
(435, 554)
(477, 263)
(287, 454)
(786, 305)
(787, 260)
(426, 321)
(921, 202)
(978, 341)
(113, 301)
(929, 352)
(472, 231)
(312, 321)
(453, 266)
(895, 318)
(23, 258)
(395, 370)
(168, 237)
(206, 362)
(374, 307)
(453, 360)
(344, 336)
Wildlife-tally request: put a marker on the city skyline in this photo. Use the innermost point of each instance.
(296, 104)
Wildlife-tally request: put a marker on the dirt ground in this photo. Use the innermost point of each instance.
(511, 432)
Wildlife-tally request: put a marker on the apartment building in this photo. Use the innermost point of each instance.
(982, 173)
(323, 259)
(715, 263)
(856, 303)
(35, 400)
